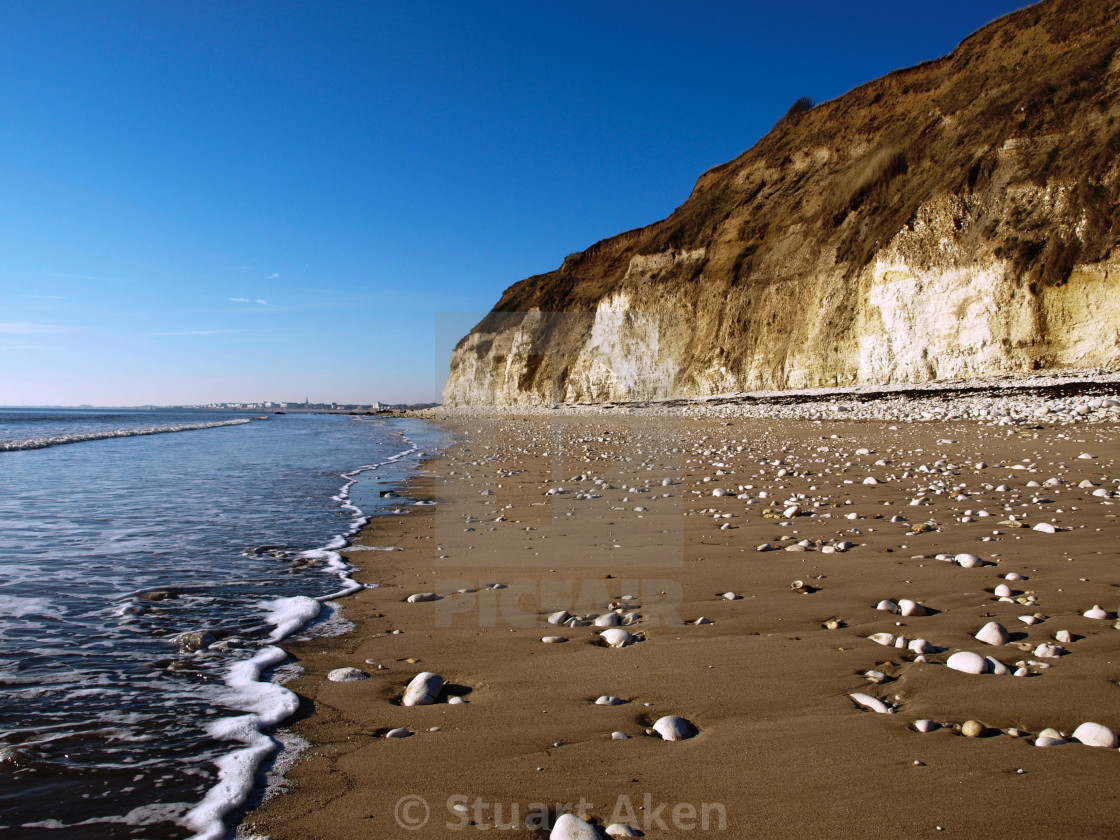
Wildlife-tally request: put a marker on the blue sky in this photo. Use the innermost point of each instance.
(242, 201)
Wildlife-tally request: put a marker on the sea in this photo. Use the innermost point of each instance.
(152, 563)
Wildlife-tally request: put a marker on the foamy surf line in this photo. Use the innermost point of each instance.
(62, 440)
(267, 704)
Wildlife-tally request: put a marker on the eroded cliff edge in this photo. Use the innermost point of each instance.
(956, 219)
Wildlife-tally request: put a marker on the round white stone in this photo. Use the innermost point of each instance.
(993, 633)
(423, 690)
(1096, 735)
(617, 637)
(571, 827)
(674, 728)
(967, 662)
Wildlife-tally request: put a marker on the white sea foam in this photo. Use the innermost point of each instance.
(61, 440)
(290, 614)
(267, 704)
(13, 606)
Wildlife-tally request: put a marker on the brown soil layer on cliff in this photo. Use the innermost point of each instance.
(782, 750)
(997, 160)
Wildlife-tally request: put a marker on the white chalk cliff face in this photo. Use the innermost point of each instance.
(958, 219)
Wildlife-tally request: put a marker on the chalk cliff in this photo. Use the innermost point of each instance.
(955, 219)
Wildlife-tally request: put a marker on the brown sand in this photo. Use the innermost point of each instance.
(782, 749)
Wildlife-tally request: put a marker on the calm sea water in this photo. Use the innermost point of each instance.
(121, 531)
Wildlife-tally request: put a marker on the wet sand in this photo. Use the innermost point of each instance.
(782, 749)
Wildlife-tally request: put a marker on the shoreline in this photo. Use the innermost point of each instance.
(263, 702)
(781, 745)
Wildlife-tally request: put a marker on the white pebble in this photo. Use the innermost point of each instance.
(423, 690)
(347, 675)
(993, 633)
(967, 662)
(1096, 735)
(617, 637)
(674, 728)
(872, 703)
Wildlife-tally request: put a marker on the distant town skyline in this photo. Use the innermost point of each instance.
(207, 200)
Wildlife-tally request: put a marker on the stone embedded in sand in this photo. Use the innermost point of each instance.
(559, 617)
(610, 619)
(993, 633)
(617, 637)
(620, 830)
(973, 729)
(792, 511)
(882, 638)
(887, 605)
(400, 732)
(1096, 735)
(1049, 737)
(907, 607)
(674, 728)
(571, 827)
(1049, 651)
(1029, 619)
(731, 596)
(1063, 636)
(1045, 528)
(922, 646)
(701, 621)
(968, 561)
(347, 675)
(619, 735)
(996, 667)
(423, 690)
(609, 700)
(925, 725)
(872, 703)
(1096, 612)
(876, 677)
(1002, 591)
(553, 640)
(967, 662)
(421, 597)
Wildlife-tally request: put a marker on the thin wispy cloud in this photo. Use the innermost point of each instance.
(258, 301)
(262, 302)
(240, 300)
(45, 297)
(274, 277)
(84, 277)
(193, 332)
(18, 328)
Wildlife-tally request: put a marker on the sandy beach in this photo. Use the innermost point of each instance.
(784, 536)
